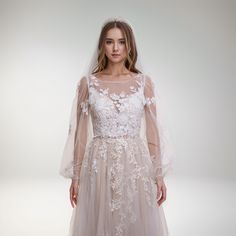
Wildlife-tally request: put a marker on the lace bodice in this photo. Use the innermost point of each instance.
(116, 107)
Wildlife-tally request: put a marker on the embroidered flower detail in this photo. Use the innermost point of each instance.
(104, 91)
(150, 100)
(84, 105)
(133, 89)
(114, 96)
(94, 165)
(93, 82)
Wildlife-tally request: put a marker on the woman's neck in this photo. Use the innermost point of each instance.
(116, 70)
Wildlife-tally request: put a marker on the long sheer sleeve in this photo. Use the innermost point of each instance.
(77, 139)
(156, 133)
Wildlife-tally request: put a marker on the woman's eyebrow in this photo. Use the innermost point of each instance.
(112, 39)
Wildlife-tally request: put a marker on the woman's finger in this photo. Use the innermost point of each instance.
(75, 197)
(75, 194)
(72, 198)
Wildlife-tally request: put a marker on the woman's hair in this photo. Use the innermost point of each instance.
(102, 60)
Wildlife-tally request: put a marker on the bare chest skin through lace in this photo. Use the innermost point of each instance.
(117, 91)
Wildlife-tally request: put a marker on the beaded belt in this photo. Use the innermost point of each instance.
(120, 136)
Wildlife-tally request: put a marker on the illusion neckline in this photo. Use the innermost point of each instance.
(117, 80)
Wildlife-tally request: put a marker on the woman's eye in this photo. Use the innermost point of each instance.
(109, 42)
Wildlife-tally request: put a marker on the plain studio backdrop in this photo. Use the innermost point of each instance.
(189, 46)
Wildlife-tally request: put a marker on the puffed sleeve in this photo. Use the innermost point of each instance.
(156, 133)
(77, 138)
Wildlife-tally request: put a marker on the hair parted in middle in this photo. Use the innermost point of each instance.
(102, 60)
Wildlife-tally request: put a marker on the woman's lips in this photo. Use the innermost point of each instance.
(115, 55)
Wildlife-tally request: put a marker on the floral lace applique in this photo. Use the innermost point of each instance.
(119, 99)
(84, 106)
(150, 100)
(123, 181)
(117, 113)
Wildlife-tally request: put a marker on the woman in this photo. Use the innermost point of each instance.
(114, 152)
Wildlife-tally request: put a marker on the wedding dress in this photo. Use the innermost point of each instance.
(116, 149)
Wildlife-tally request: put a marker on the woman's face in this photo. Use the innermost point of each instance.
(115, 48)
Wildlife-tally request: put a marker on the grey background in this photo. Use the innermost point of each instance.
(188, 45)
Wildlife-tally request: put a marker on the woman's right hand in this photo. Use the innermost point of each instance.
(74, 188)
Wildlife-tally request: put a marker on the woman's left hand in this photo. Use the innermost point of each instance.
(161, 189)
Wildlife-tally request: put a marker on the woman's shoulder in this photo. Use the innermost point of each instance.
(148, 78)
(83, 81)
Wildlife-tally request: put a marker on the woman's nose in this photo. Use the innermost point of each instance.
(115, 46)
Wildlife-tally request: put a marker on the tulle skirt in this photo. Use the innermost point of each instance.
(117, 194)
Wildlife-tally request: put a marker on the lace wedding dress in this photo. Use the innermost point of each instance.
(116, 151)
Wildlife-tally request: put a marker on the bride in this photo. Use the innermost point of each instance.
(116, 153)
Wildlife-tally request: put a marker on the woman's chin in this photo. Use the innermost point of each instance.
(116, 60)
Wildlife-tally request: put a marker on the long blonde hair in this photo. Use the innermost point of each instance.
(102, 60)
